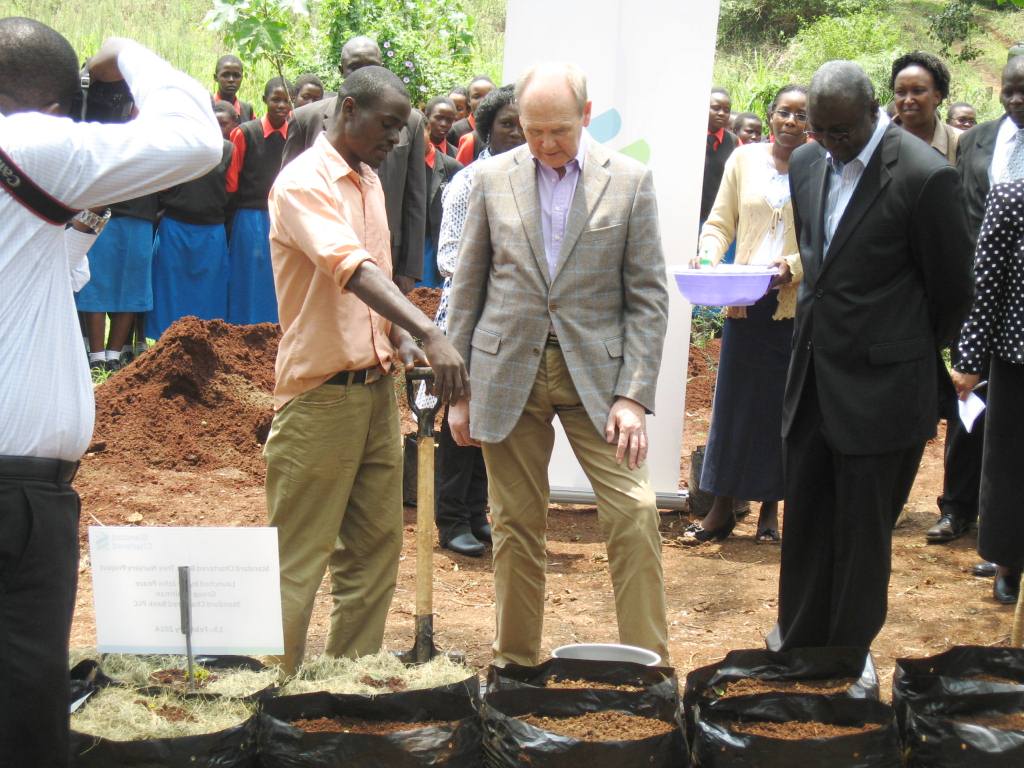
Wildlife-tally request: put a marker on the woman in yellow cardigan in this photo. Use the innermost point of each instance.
(743, 459)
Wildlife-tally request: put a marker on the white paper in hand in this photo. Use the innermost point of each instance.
(970, 410)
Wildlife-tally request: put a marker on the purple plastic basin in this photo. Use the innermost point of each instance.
(736, 285)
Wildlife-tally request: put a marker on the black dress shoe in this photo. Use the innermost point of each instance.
(483, 532)
(465, 544)
(984, 569)
(947, 528)
(1006, 586)
(696, 533)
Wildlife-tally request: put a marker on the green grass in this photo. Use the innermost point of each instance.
(173, 28)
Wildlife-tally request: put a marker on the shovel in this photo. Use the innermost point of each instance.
(423, 649)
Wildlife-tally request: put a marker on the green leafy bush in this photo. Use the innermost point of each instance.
(745, 20)
(955, 24)
(428, 43)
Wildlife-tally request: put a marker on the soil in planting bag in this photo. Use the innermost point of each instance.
(450, 736)
(984, 730)
(511, 742)
(931, 684)
(216, 665)
(658, 683)
(230, 748)
(741, 733)
(812, 666)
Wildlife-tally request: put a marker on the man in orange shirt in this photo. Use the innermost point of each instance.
(334, 454)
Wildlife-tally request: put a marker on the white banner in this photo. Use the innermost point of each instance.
(648, 65)
(235, 585)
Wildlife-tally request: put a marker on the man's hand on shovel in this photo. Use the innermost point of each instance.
(451, 379)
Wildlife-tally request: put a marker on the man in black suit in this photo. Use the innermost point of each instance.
(983, 154)
(720, 145)
(887, 282)
(402, 174)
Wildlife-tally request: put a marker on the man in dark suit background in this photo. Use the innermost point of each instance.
(402, 174)
(983, 158)
(887, 282)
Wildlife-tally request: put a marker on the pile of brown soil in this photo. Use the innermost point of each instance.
(426, 300)
(358, 725)
(608, 725)
(1013, 721)
(701, 374)
(200, 398)
(588, 685)
(393, 684)
(798, 730)
(178, 678)
(749, 686)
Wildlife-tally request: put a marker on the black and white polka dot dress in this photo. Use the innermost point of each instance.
(995, 325)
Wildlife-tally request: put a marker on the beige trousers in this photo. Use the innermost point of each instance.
(334, 493)
(517, 470)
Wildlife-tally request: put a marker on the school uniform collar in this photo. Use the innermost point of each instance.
(269, 129)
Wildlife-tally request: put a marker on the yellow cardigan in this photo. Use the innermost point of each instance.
(742, 213)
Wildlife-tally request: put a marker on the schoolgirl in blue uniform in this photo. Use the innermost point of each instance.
(258, 147)
(190, 251)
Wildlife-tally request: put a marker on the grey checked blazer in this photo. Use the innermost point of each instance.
(608, 300)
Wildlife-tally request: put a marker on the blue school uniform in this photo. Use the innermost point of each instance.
(120, 261)
(190, 251)
(258, 148)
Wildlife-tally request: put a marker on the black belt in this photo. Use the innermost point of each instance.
(365, 376)
(33, 468)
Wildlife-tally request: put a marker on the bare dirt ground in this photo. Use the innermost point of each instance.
(720, 596)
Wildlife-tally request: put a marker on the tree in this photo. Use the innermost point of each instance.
(259, 28)
(427, 43)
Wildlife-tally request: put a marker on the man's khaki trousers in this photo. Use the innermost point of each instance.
(517, 470)
(334, 493)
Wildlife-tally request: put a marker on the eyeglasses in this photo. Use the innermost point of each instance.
(838, 136)
(785, 114)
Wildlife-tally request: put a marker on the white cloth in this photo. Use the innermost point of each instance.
(46, 400)
(1006, 139)
(775, 188)
(844, 177)
(77, 245)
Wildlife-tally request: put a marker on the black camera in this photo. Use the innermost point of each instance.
(100, 102)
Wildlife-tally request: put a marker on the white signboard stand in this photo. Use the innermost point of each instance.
(235, 587)
(648, 65)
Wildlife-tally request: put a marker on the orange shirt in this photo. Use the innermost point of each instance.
(467, 145)
(325, 220)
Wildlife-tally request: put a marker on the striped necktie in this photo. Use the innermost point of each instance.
(1015, 164)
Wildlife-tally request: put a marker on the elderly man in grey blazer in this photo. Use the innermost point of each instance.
(559, 305)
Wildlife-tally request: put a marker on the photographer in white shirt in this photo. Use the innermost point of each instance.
(46, 401)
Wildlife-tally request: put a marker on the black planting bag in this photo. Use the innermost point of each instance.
(207, 662)
(930, 685)
(658, 683)
(799, 664)
(716, 745)
(282, 745)
(511, 743)
(231, 748)
(937, 740)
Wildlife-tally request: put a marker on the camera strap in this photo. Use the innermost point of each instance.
(31, 195)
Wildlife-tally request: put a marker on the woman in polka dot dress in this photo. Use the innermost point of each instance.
(995, 329)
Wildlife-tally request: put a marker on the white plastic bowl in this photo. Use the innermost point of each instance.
(736, 285)
(607, 652)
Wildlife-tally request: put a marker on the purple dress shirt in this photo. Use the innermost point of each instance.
(556, 194)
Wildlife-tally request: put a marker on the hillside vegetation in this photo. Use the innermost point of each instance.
(872, 33)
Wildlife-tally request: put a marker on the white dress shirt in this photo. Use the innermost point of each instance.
(1006, 138)
(77, 245)
(46, 400)
(556, 194)
(844, 177)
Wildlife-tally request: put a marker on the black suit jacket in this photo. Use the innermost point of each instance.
(438, 178)
(894, 288)
(974, 156)
(402, 176)
(459, 129)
